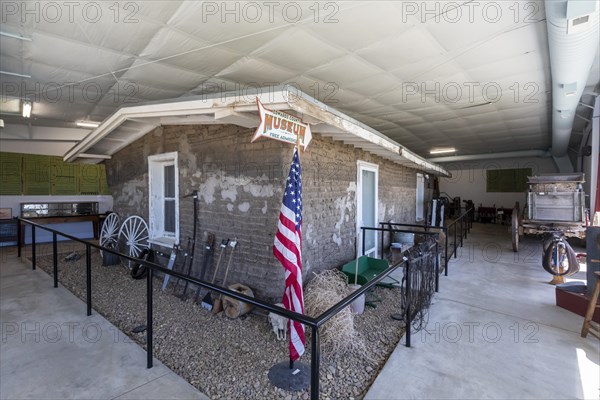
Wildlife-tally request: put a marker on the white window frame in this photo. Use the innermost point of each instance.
(363, 165)
(420, 198)
(156, 203)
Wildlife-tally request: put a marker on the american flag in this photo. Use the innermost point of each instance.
(288, 250)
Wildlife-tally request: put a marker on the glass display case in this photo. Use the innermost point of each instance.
(62, 212)
(62, 209)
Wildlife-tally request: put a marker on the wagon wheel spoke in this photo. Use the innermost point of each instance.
(143, 240)
(138, 234)
(109, 232)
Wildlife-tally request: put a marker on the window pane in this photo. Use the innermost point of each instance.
(170, 181)
(170, 216)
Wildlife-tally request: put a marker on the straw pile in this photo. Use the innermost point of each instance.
(338, 335)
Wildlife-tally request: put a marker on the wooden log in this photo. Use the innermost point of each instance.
(234, 308)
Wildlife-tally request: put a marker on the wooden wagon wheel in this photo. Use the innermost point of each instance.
(133, 237)
(515, 230)
(109, 233)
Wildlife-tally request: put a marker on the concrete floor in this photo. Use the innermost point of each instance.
(50, 349)
(494, 331)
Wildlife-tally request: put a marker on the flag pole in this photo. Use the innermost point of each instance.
(298, 146)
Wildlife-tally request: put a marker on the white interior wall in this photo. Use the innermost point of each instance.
(35, 147)
(45, 140)
(469, 180)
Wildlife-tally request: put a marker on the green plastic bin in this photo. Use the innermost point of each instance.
(368, 268)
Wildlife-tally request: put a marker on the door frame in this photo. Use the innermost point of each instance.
(366, 166)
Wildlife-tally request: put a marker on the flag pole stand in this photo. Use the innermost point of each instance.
(290, 376)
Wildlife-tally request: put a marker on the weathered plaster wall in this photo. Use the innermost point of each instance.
(240, 189)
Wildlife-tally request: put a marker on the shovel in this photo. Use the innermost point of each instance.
(207, 301)
(218, 306)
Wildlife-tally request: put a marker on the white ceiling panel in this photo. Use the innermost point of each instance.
(180, 50)
(167, 43)
(252, 71)
(409, 47)
(461, 27)
(162, 76)
(74, 55)
(530, 38)
(354, 69)
(307, 52)
(161, 11)
(363, 58)
(357, 25)
(211, 21)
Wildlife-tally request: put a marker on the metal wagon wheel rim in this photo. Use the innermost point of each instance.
(133, 237)
(515, 231)
(109, 234)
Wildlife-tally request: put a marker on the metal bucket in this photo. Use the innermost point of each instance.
(358, 305)
(110, 258)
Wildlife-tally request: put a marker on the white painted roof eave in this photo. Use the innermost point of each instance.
(130, 123)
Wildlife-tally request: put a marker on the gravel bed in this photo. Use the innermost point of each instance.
(227, 358)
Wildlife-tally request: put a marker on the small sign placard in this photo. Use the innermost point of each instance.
(5, 213)
(282, 126)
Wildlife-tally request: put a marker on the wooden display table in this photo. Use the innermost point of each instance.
(58, 213)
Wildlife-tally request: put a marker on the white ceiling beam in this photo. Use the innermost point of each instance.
(187, 120)
(40, 140)
(229, 116)
(97, 156)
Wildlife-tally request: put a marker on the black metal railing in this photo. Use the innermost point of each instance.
(408, 315)
(313, 322)
(394, 227)
(465, 221)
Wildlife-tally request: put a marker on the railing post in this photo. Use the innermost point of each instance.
(19, 237)
(55, 258)
(455, 239)
(363, 240)
(149, 331)
(462, 232)
(408, 318)
(315, 361)
(33, 247)
(446, 250)
(469, 221)
(437, 266)
(381, 256)
(88, 278)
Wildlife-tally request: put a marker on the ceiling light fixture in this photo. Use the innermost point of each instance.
(442, 151)
(86, 124)
(27, 108)
(15, 36)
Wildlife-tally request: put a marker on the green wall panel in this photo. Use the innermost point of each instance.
(507, 180)
(11, 171)
(64, 178)
(31, 174)
(89, 179)
(36, 174)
